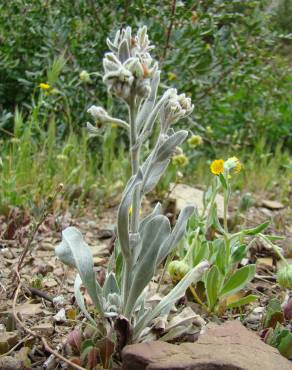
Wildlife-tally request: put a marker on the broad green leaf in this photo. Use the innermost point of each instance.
(285, 346)
(238, 280)
(221, 257)
(201, 252)
(213, 219)
(86, 347)
(239, 253)
(223, 181)
(274, 314)
(212, 283)
(243, 301)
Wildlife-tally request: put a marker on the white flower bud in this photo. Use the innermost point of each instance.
(175, 108)
(99, 114)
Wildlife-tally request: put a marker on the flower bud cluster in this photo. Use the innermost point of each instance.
(175, 107)
(129, 66)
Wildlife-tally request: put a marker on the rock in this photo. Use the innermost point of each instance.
(60, 316)
(59, 301)
(272, 204)
(10, 363)
(7, 341)
(185, 195)
(229, 346)
(44, 329)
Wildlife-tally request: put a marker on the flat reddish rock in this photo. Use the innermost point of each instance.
(227, 347)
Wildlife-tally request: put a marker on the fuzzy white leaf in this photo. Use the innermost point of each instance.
(74, 251)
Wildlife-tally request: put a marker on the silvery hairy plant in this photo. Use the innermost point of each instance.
(131, 74)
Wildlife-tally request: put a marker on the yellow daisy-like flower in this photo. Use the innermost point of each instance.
(44, 86)
(217, 166)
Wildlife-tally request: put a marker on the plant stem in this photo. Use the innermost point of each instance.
(225, 211)
(134, 225)
(135, 159)
(197, 298)
(167, 262)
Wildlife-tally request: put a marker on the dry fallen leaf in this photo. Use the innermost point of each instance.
(29, 309)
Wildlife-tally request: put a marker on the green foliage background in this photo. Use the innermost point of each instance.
(226, 55)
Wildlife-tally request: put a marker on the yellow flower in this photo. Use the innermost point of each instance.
(44, 86)
(195, 141)
(217, 166)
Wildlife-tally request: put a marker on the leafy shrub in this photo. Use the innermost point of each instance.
(223, 50)
(207, 239)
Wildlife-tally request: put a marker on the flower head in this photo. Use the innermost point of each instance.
(217, 166)
(180, 160)
(84, 76)
(195, 140)
(177, 270)
(174, 108)
(233, 163)
(44, 86)
(129, 67)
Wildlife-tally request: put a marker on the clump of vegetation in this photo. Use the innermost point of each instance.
(275, 324)
(131, 74)
(207, 239)
(230, 49)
